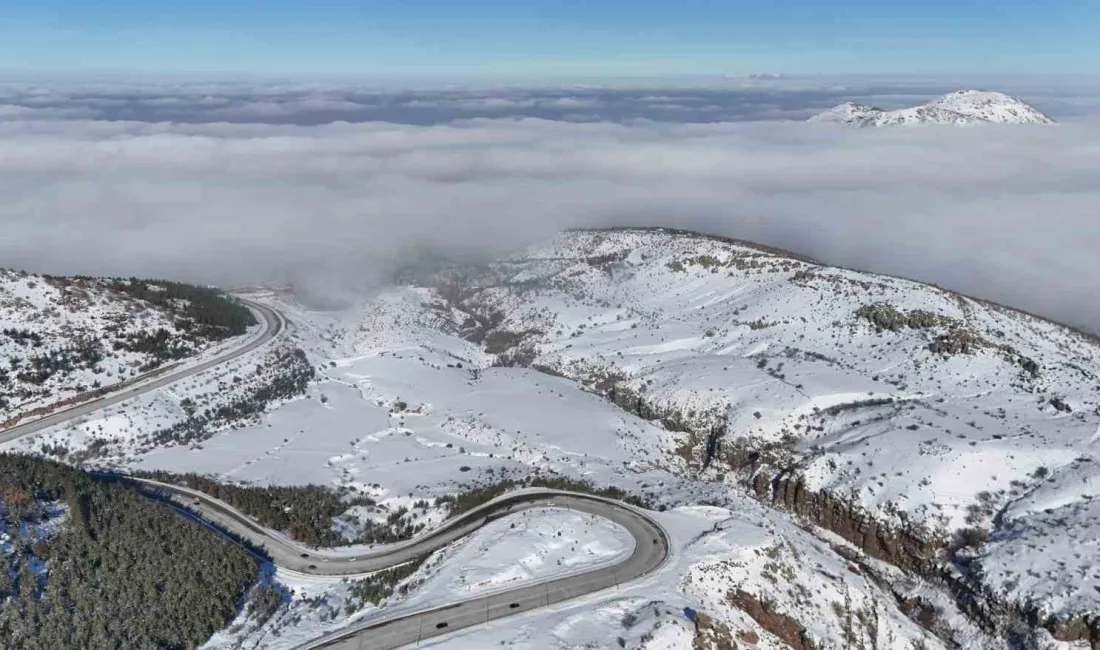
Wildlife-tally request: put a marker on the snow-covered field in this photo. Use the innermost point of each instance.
(409, 421)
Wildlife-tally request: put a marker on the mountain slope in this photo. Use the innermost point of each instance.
(408, 414)
(64, 338)
(952, 423)
(959, 107)
(953, 438)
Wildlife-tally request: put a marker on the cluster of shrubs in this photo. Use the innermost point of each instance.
(200, 314)
(83, 352)
(294, 372)
(264, 600)
(23, 336)
(885, 316)
(473, 497)
(203, 312)
(305, 512)
(380, 586)
(956, 340)
(159, 345)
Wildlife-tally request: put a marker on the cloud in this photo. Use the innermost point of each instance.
(1007, 213)
(704, 101)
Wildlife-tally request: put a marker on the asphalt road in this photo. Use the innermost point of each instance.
(273, 325)
(651, 549)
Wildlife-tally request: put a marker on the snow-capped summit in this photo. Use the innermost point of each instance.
(959, 107)
(848, 113)
(987, 106)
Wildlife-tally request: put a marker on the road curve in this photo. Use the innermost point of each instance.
(273, 324)
(651, 549)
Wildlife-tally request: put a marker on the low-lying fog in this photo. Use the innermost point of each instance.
(235, 184)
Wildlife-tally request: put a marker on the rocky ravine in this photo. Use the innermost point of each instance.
(952, 437)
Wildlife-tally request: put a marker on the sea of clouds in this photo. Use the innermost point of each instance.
(335, 185)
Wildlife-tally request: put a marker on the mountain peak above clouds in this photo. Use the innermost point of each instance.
(959, 107)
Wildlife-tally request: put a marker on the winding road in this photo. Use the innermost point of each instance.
(651, 544)
(651, 550)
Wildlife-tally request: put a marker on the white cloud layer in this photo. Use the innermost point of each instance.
(701, 100)
(1009, 213)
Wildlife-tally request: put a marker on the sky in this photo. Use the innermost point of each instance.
(543, 39)
(326, 143)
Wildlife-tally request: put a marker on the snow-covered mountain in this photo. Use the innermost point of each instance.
(842, 459)
(912, 421)
(959, 107)
(63, 339)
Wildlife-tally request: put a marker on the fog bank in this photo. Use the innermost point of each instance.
(1008, 213)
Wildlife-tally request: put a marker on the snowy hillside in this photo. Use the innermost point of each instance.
(62, 339)
(876, 456)
(959, 107)
(403, 413)
(947, 419)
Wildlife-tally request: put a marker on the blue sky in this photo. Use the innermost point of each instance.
(548, 38)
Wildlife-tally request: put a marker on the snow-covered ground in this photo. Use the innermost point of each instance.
(401, 421)
(391, 424)
(940, 412)
(931, 410)
(532, 545)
